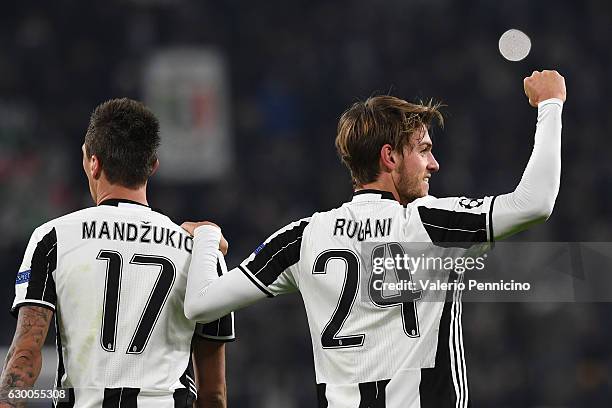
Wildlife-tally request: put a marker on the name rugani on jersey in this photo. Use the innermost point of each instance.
(363, 229)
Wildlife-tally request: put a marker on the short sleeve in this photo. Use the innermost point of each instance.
(457, 219)
(222, 329)
(273, 266)
(35, 284)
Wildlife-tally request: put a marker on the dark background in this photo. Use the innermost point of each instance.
(294, 66)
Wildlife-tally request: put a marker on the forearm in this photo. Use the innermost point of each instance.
(21, 369)
(209, 365)
(24, 359)
(533, 199)
(208, 296)
(212, 399)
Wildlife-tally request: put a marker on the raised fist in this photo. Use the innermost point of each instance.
(542, 85)
(190, 227)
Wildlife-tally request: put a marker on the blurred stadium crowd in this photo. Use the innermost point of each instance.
(293, 67)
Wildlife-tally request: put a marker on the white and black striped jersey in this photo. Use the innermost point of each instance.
(115, 275)
(370, 349)
(367, 354)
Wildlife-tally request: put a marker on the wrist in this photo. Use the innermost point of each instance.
(207, 231)
(548, 101)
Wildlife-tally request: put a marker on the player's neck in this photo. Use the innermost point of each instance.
(382, 184)
(118, 192)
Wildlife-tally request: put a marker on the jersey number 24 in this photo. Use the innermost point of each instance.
(410, 319)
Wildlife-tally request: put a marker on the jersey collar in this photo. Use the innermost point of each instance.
(371, 194)
(122, 202)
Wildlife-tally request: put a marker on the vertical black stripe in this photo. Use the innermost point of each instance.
(491, 236)
(373, 394)
(436, 388)
(120, 398)
(184, 397)
(61, 369)
(60, 355)
(188, 373)
(321, 397)
(69, 403)
(111, 398)
(381, 397)
(129, 398)
(367, 394)
(44, 262)
(455, 349)
(219, 271)
(49, 294)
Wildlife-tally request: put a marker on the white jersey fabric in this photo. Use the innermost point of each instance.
(360, 347)
(115, 275)
(369, 354)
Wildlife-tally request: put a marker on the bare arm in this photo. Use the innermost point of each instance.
(209, 368)
(24, 358)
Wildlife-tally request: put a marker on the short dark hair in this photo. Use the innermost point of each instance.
(365, 127)
(124, 136)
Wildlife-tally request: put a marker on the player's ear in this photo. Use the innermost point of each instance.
(95, 167)
(388, 161)
(154, 167)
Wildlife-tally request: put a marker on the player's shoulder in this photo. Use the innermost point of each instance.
(65, 219)
(457, 204)
(165, 220)
(332, 212)
(100, 212)
(433, 202)
(325, 215)
(299, 224)
(285, 236)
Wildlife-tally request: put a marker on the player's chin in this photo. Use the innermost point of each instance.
(424, 189)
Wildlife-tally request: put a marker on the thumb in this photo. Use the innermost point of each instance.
(188, 226)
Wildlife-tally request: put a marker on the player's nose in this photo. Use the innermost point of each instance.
(432, 164)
